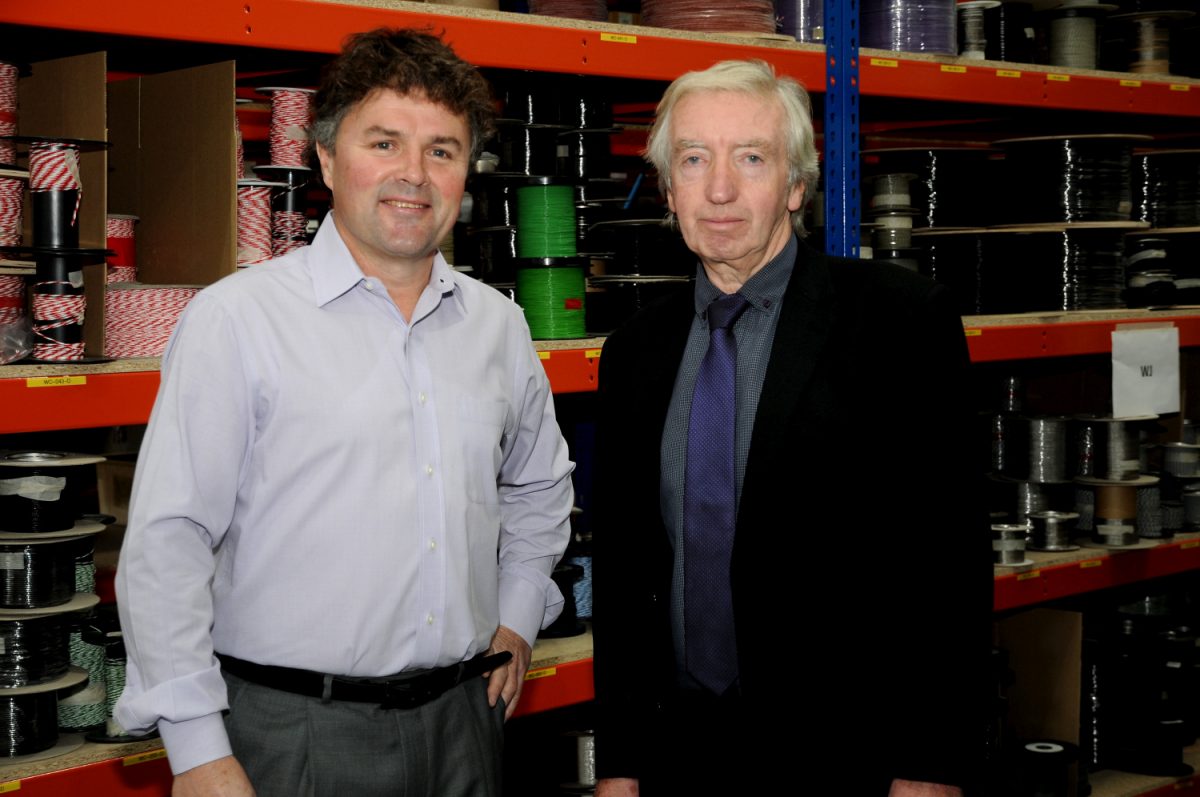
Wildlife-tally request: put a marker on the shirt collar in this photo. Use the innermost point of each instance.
(763, 291)
(334, 270)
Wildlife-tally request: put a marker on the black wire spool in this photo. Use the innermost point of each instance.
(290, 198)
(1009, 29)
(525, 148)
(946, 190)
(954, 258)
(36, 575)
(585, 154)
(1069, 178)
(494, 198)
(1058, 268)
(28, 723)
(586, 108)
(1175, 251)
(39, 490)
(35, 650)
(1045, 768)
(1166, 188)
(611, 301)
(915, 26)
(645, 247)
(496, 253)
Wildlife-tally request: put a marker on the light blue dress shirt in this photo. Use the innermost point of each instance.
(327, 487)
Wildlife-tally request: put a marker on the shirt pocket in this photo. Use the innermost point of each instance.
(481, 424)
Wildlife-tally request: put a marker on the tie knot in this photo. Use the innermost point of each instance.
(723, 313)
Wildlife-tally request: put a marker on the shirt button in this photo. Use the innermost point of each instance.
(421, 397)
(432, 545)
(370, 285)
(428, 470)
(429, 620)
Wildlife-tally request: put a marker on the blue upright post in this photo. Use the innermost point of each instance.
(841, 128)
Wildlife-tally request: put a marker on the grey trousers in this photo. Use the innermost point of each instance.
(296, 746)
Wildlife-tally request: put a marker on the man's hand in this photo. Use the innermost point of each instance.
(221, 778)
(507, 680)
(908, 788)
(617, 787)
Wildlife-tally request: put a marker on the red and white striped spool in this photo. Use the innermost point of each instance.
(52, 312)
(237, 137)
(139, 319)
(289, 232)
(291, 117)
(12, 200)
(54, 166)
(8, 111)
(12, 298)
(119, 231)
(741, 16)
(254, 221)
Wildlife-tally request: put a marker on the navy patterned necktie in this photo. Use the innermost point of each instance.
(709, 510)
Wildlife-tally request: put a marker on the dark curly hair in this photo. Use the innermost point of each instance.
(407, 62)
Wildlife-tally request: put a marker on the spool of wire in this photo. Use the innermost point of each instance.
(1074, 32)
(893, 230)
(972, 29)
(1045, 768)
(1191, 507)
(494, 199)
(1008, 543)
(594, 10)
(1173, 517)
(1166, 188)
(742, 16)
(803, 20)
(551, 292)
(1149, 39)
(1047, 450)
(954, 258)
(1010, 36)
(585, 154)
(34, 494)
(1071, 178)
(8, 111)
(1107, 448)
(33, 650)
(526, 147)
(12, 298)
(583, 587)
(82, 710)
(915, 26)
(290, 119)
(1149, 513)
(611, 301)
(1052, 531)
(1181, 459)
(36, 575)
(945, 188)
(119, 231)
(12, 205)
(254, 221)
(28, 723)
(891, 192)
(114, 672)
(139, 319)
(546, 219)
(496, 254)
(641, 246)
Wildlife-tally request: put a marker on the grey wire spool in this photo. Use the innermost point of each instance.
(1052, 531)
(1008, 543)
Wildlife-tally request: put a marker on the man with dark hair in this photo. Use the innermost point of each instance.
(353, 489)
(792, 576)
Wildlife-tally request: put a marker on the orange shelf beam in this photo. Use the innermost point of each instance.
(555, 687)
(571, 370)
(1071, 338)
(76, 401)
(141, 775)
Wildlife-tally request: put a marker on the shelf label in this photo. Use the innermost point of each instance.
(591, 354)
(1180, 87)
(543, 355)
(888, 62)
(619, 38)
(954, 69)
(1145, 370)
(142, 758)
(1059, 78)
(1091, 563)
(544, 672)
(1131, 84)
(973, 332)
(1183, 546)
(1007, 73)
(1027, 576)
(55, 381)
(10, 785)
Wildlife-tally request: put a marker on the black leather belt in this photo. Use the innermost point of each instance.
(398, 691)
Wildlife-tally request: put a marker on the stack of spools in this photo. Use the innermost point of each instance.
(41, 540)
(550, 275)
(122, 264)
(1180, 473)
(291, 117)
(891, 219)
(12, 193)
(1116, 503)
(915, 26)
(1161, 264)
(744, 16)
(58, 304)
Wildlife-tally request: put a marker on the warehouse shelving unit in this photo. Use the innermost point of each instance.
(42, 398)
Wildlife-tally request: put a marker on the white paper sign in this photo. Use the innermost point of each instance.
(1145, 371)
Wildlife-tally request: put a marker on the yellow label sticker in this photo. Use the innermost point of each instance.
(142, 758)
(543, 355)
(954, 69)
(591, 354)
(544, 672)
(1090, 563)
(1131, 84)
(619, 38)
(888, 62)
(1029, 575)
(1180, 87)
(1059, 78)
(1183, 546)
(1007, 73)
(55, 381)
(10, 785)
(973, 332)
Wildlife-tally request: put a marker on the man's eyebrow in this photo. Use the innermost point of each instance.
(379, 130)
(754, 143)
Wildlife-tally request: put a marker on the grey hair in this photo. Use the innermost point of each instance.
(756, 78)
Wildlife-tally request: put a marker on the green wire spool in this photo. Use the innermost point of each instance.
(550, 291)
(546, 218)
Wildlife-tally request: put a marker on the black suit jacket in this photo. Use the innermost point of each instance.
(861, 570)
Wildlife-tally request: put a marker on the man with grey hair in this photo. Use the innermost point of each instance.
(739, 422)
(353, 489)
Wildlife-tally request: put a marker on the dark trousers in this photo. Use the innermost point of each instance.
(296, 746)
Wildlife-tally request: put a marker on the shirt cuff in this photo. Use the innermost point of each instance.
(194, 742)
(526, 607)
